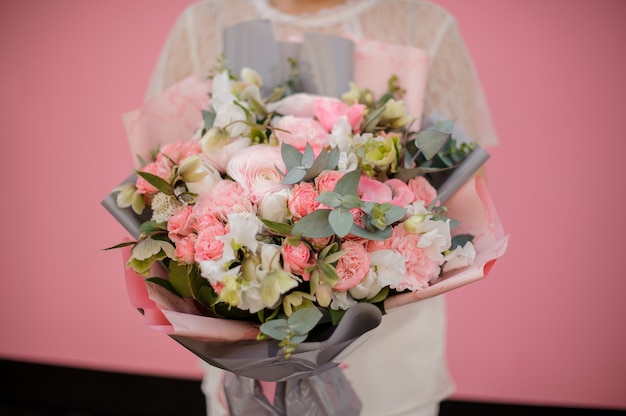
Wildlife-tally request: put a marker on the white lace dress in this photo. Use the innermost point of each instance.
(401, 370)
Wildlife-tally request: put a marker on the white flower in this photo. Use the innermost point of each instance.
(251, 299)
(341, 135)
(386, 269)
(244, 227)
(232, 118)
(255, 169)
(297, 105)
(221, 87)
(164, 206)
(460, 257)
(211, 177)
(342, 300)
(273, 205)
(220, 156)
(435, 238)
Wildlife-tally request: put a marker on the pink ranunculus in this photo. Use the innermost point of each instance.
(300, 131)
(402, 194)
(303, 200)
(328, 110)
(372, 190)
(185, 249)
(255, 169)
(352, 267)
(297, 258)
(180, 224)
(420, 269)
(326, 180)
(423, 190)
(179, 151)
(226, 197)
(208, 246)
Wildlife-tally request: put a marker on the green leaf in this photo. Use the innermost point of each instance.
(349, 183)
(394, 213)
(209, 118)
(432, 140)
(186, 280)
(291, 156)
(314, 225)
(351, 201)
(277, 329)
(304, 320)
(332, 258)
(341, 221)
(158, 182)
(378, 235)
(328, 273)
(319, 164)
(460, 240)
(380, 296)
(333, 158)
(330, 199)
(120, 245)
(294, 175)
(277, 227)
(308, 157)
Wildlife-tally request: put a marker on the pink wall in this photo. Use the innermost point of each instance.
(545, 328)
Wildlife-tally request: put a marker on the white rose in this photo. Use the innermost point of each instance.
(273, 206)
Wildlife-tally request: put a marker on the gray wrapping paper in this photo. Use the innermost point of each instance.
(326, 62)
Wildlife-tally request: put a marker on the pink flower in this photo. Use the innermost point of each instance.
(328, 110)
(255, 169)
(420, 269)
(179, 151)
(180, 224)
(300, 131)
(352, 267)
(159, 169)
(185, 249)
(297, 258)
(372, 190)
(224, 198)
(423, 190)
(327, 180)
(302, 200)
(208, 246)
(402, 194)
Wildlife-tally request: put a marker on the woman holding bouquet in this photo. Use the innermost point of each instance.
(401, 369)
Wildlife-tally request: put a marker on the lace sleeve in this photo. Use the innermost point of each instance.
(176, 59)
(454, 88)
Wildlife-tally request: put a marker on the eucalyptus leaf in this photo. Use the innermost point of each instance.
(330, 199)
(314, 225)
(333, 158)
(394, 213)
(291, 156)
(304, 320)
(295, 175)
(341, 221)
(349, 183)
(351, 201)
(433, 139)
(319, 164)
(276, 328)
(308, 157)
(379, 235)
(209, 118)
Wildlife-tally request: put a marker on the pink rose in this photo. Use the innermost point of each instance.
(423, 190)
(185, 249)
(352, 267)
(207, 221)
(420, 269)
(255, 169)
(180, 224)
(303, 200)
(328, 110)
(297, 258)
(208, 246)
(327, 180)
(300, 131)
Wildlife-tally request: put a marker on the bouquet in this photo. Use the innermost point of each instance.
(273, 234)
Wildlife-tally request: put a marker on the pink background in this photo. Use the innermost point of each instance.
(547, 326)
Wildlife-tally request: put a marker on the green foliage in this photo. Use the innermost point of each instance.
(305, 166)
(293, 330)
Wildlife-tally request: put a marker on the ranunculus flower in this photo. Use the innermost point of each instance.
(328, 110)
(255, 169)
(422, 189)
(352, 267)
(299, 132)
(303, 200)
